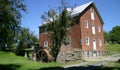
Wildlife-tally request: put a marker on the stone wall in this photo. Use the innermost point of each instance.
(67, 56)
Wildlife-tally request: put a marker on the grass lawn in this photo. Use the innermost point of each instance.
(113, 48)
(109, 66)
(9, 61)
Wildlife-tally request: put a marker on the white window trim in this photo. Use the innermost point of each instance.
(92, 13)
(45, 43)
(93, 28)
(99, 28)
(87, 43)
(86, 24)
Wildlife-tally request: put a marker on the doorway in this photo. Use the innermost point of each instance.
(94, 44)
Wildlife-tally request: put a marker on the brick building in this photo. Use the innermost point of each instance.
(86, 37)
(86, 33)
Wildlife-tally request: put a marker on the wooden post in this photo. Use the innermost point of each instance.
(25, 54)
(34, 56)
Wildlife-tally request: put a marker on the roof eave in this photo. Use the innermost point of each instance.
(98, 13)
(72, 16)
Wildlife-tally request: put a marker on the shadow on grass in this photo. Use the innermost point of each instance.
(16, 66)
(9, 66)
(82, 68)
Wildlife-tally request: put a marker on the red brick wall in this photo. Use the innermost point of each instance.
(78, 31)
(99, 35)
(75, 38)
(87, 32)
(44, 37)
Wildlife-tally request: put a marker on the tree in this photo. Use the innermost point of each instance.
(57, 29)
(10, 15)
(25, 39)
(114, 35)
(58, 33)
(106, 36)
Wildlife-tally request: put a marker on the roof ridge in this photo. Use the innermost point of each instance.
(80, 8)
(76, 11)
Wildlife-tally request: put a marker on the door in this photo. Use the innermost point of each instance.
(94, 44)
(94, 48)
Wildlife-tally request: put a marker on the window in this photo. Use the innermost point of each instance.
(86, 24)
(99, 29)
(100, 42)
(93, 28)
(68, 41)
(87, 41)
(80, 41)
(45, 43)
(45, 30)
(92, 13)
(68, 26)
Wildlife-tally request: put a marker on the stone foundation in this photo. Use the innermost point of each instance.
(67, 56)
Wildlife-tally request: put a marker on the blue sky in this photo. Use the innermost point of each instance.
(108, 9)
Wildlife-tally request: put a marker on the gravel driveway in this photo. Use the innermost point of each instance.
(94, 62)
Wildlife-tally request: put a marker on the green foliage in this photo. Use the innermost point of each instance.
(9, 61)
(42, 29)
(57, 29)
(115, 35)
(25, 39)
(113, 48)
(10, 15)
(106, 36)
(109, 66)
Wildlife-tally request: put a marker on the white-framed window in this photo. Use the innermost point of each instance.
(68, 41)
(92, 13)
(100, 42)
(99, 29)
(87, 41)
(93, 28)
(86, 24)
(45, 43)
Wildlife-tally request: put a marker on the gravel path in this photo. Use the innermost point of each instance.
(105, 58)
(95, 62)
